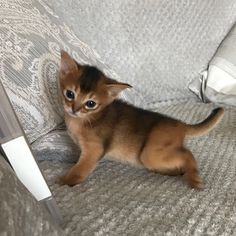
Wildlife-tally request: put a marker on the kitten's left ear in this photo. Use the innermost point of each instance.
(68, 64)
(115, 88)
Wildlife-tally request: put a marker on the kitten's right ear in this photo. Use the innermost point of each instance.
(116, 87)
(68, 64)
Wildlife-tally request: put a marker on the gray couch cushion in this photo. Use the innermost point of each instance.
(218, 83)
(56, 145)
(119, 199)
(21, 214)
(157, 46)
(31, 37)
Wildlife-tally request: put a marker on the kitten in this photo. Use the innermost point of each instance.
(100, 124)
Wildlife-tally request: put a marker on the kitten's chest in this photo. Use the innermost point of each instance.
(81, 135)
(74, 130)
(73, 136)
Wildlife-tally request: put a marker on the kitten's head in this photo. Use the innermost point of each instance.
(85, 89)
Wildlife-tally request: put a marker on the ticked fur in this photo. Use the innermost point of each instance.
(100, 124)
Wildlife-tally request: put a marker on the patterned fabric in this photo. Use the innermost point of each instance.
(21, 214)
(31, 37)
(119, 199)
(157, 46)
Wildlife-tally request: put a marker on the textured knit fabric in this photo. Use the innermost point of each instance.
(21, 214)
(118, 199)
(157, 46)
(56, 145)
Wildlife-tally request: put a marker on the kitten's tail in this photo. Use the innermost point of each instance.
(205, 126)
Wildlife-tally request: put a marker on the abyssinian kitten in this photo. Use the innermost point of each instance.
(100, 124)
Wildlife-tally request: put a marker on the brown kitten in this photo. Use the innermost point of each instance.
(102, 124)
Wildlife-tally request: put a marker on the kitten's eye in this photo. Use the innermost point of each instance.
(70, 94)
(90, 104)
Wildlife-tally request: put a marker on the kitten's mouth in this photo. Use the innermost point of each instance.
(73, 114)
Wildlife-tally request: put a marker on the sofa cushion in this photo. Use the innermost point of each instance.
(119, 199)
(56, 145)
(156, 46)
(218, 83)
(31, 37)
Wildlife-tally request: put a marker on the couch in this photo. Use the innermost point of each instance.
(157, 46)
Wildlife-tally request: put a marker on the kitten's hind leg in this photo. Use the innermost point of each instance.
(172, 161)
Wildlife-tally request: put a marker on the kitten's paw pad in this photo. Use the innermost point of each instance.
(68, 180)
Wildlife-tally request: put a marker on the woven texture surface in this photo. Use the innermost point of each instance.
(157, 46)
(118, 199)
(21, 214)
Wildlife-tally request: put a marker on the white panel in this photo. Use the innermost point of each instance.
(221, 81)
(26, 168)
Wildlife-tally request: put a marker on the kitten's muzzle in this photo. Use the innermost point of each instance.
(76, 107)
(71, 112)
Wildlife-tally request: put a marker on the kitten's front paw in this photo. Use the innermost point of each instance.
(61, 180)
(68, 180)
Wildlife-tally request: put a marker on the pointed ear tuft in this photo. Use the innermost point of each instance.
(115, 88)
(68, 64)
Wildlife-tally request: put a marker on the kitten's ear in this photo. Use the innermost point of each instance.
(115, 88)
(68, 64)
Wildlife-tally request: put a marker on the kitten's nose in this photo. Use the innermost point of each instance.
(76, 107)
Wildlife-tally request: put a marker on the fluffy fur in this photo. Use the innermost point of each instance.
(124, 132)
